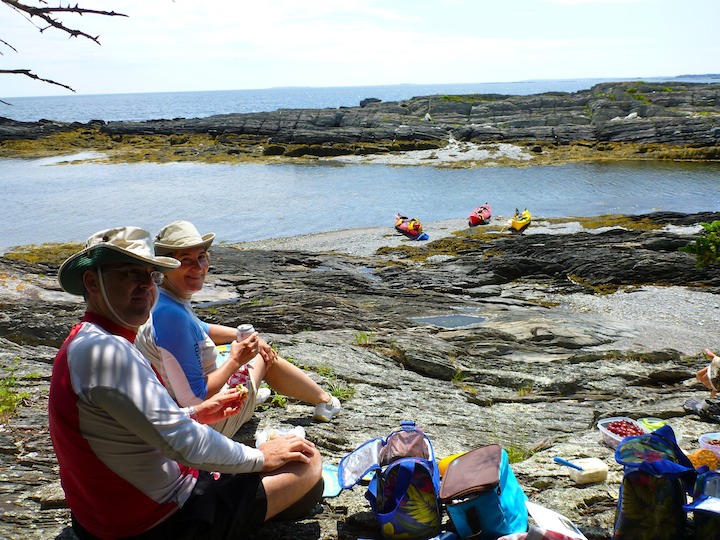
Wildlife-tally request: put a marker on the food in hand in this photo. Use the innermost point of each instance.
(240, 394)
(624, 428)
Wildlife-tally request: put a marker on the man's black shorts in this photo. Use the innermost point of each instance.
(229, 507)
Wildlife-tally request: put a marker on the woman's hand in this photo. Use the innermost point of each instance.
(224, 404)
(241, 352)
(284, 449)
(268, 353)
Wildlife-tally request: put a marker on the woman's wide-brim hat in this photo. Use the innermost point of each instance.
(180, 235)
(111, 246)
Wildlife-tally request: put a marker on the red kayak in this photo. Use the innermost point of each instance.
(410, 227)
(480, 216)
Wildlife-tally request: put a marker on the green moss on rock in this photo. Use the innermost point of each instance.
(47, 253)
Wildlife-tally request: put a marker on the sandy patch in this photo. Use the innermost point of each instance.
(359, 242)
(365, 242)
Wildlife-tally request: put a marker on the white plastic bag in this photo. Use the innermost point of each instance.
(268, 434)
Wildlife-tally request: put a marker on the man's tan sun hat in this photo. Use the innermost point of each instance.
(111, 246)
(180, 235)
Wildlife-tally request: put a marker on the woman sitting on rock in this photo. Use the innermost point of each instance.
(183, 349)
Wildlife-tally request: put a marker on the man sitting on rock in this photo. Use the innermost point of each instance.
(134, 464)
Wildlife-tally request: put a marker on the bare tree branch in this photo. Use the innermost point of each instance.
(28, 73)
(49, 18)
(47, 14)
(7, 45)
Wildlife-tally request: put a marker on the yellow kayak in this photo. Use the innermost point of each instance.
(520, 220)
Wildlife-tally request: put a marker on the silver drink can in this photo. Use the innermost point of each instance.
(244, 331)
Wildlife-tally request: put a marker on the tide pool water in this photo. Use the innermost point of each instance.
(451, 320)
(44, 201)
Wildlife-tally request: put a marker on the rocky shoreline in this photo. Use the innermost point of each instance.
(535, 338)
(610, 121)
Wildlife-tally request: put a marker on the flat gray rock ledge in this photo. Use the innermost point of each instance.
(541, 358)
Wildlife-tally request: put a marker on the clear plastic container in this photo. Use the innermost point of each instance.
(594, 470)
(705, 439)
(272, 433)
(610, 438)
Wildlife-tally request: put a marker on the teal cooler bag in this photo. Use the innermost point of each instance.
(482, 495)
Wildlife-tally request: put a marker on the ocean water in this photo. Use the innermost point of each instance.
(51, 200)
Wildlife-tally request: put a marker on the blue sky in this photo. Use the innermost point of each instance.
(188, 45)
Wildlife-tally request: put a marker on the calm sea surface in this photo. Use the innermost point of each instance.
(46, 201)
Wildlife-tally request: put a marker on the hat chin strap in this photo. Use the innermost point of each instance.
(107, 302)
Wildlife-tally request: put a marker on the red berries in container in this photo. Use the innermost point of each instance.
(624, 428)
(617, 428)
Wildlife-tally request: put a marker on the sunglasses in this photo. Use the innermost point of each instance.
(136, 274)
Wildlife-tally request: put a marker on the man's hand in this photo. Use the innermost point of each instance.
(284, 449)
(224, 404)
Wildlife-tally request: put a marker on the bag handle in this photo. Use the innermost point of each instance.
(402, 482)
(405, 471)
